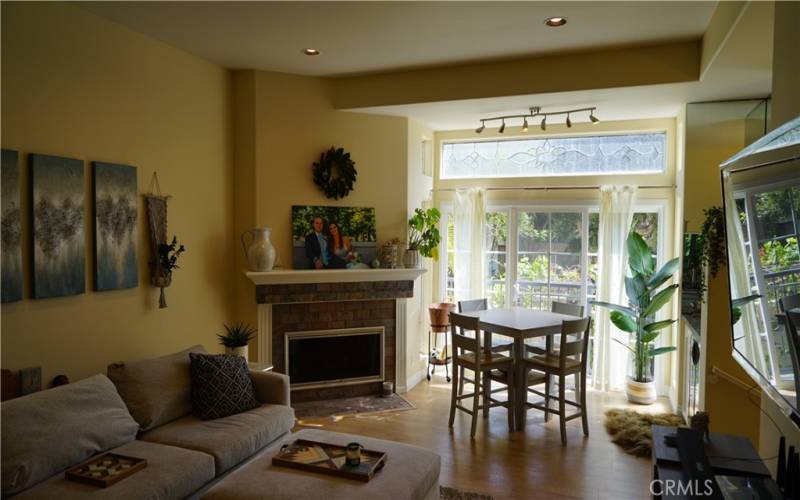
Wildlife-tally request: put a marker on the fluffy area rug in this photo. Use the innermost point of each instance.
(447, 493)
(349, 406)
(631, 430)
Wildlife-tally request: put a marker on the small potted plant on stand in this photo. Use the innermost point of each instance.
(646, 297)
(423, 237)
(236, 338)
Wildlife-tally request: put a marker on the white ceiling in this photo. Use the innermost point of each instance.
(360, 37)
(742, 69)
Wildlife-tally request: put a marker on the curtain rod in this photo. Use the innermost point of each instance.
(549, 188)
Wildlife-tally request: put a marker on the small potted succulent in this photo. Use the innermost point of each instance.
(236, 338)
(423, 237)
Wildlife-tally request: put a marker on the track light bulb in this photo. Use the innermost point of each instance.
(544, 123)
(524, 124)
(502, 127)
(480, 129)
(569, 122)
(593, 118)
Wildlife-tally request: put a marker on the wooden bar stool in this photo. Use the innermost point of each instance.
(439, 314)
(498, 344)
(469, 353)
(571, 358)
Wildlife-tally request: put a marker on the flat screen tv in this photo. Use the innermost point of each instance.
(761, 194)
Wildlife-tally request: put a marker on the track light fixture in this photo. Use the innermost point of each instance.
(536, 111)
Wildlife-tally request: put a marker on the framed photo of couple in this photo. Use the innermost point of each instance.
(325, 237)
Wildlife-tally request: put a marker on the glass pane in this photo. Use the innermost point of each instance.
(532, 267)
(533, 234)
(594, 228)
(496, 257)
(566, 277)
(585, 155)
(646, 224)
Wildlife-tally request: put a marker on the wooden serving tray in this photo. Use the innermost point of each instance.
(105, 470)
(325, 458)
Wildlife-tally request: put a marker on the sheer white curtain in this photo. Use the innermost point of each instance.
(609, 366)
(746, 329)
(469, 220)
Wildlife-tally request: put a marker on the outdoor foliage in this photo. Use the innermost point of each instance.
(646, 297)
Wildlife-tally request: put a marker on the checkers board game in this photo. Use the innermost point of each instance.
(328, 459)
(106, 469)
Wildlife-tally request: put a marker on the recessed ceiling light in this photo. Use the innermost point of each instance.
(555, 21)
(311, 52)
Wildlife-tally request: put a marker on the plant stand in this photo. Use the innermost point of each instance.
(434, 362)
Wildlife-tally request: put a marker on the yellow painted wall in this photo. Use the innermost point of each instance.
(76, 85)
(419, 191)
(610, 68)
(785, 61)
(288, 121)
(714, 132)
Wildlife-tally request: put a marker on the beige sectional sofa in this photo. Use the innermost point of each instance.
(141, 409)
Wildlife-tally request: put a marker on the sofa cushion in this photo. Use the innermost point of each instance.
(230, 439)
(410, 473)
(221, 386)
(156, 390)
(49, 431)
(171, 473)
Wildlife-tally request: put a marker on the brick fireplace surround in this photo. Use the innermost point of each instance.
(292, 301)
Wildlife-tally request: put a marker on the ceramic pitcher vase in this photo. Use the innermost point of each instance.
(260, 253)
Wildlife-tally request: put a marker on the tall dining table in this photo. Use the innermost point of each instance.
(518, 323)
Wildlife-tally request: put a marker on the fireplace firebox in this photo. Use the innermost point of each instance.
(323, 358)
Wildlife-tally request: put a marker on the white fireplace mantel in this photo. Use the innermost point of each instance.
(297, 276)
(312, 276)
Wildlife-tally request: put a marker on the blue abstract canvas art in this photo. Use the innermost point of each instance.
(115, 226)
(57, 198)
(11, 228)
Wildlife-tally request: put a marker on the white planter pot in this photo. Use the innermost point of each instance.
(237, 351)
(411, 259)
(642, 393)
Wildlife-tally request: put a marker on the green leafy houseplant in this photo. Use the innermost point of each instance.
(237, 335)
(423, 232)
(646, 296)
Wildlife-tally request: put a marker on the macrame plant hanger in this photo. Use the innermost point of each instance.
(157, 219)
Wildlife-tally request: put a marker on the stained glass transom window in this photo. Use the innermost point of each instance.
(556, 156)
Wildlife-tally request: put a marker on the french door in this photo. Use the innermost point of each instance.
(535, 256)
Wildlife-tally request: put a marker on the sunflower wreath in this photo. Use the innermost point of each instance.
(335, 173)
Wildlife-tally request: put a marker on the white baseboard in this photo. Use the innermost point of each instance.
(413, 381)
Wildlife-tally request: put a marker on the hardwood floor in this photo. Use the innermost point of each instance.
(519, 465)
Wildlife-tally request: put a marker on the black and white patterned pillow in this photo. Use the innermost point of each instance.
(221, 386)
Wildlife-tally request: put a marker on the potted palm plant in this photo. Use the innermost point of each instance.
(646, 296)
(236, 338)
(423, 236)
